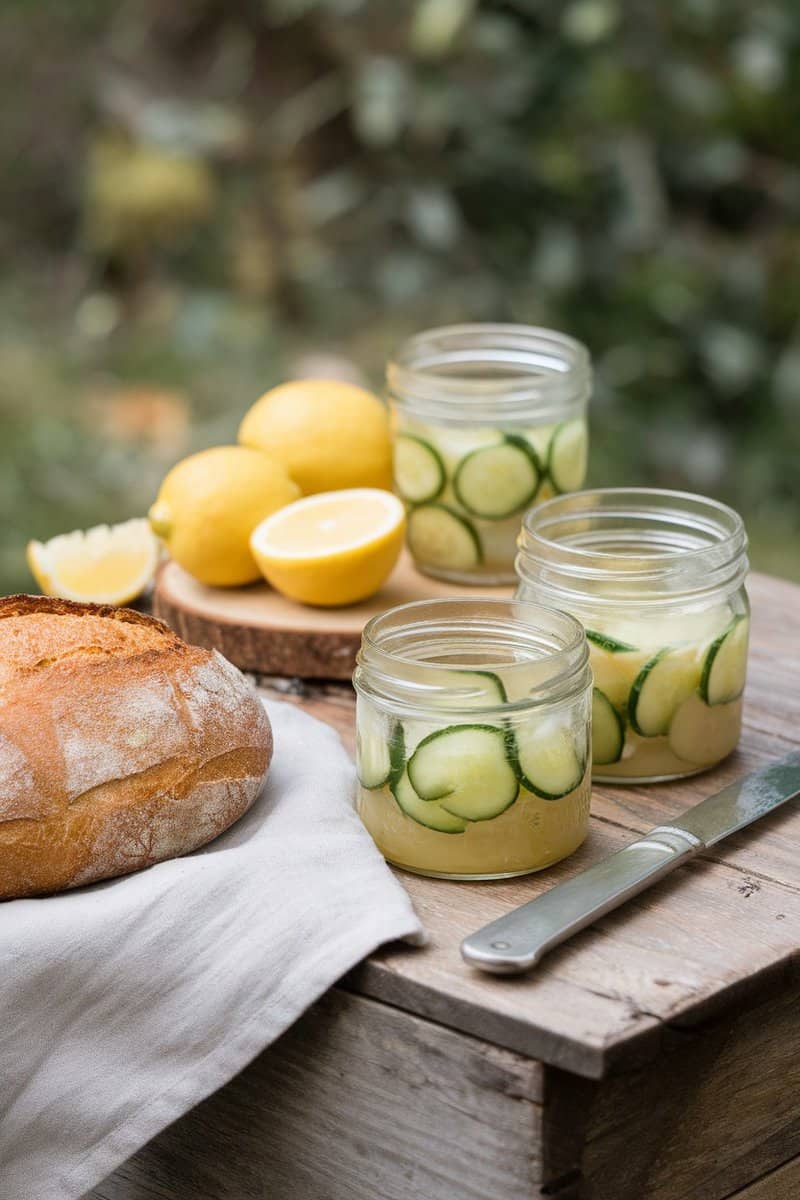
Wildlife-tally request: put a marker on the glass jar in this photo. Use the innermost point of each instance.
(488, 420)
(657, 579)
(472, 727)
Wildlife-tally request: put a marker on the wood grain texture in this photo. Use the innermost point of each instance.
(258, 629)
(783, 1184)
(359, 1101)
(355, 1102)
(721, 1109)
(704, 940)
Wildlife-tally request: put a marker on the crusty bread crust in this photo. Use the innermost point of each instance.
(120, 744)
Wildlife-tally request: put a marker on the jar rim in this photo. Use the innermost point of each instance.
(633, 537)
(490, 371)
(386, 670)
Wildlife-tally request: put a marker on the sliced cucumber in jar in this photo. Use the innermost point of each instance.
(419, 473)
(701, 734)
(380, 755)
(660, 688)
(610, 644)
(567, 455)
(425, 812)
(466, 770)
(498, 481)
(725, 664)
(615, 672)
(549, 762)
(439, 537)
(373, 760)
(540, 436)
(608, 730)
(467, 689)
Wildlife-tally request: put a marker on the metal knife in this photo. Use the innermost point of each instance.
(516, 942)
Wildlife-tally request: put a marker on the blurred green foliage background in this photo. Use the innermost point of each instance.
(200, 199)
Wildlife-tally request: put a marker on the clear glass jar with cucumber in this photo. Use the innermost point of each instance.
(473, 746)
(488, 420)
(657, 580)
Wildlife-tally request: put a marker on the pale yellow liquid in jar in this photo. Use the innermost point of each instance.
(700, 734)
(530, 835)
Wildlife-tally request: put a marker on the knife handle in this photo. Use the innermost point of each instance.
(516, 942)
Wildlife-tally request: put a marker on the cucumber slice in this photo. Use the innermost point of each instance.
(608, 643)
(476, 689)
(701, 734)
(615, 672)
(540, 436)
(548, 760)
(498, 481)
(424, 812)
(453, 442)
(566, 458)
(439, 537)
(725, 664)
(660, 688)
(608, 730)
(466, 769)
(479, 689)
(419, 473)
(380, 759)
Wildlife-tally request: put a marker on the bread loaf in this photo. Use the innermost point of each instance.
(120, 745)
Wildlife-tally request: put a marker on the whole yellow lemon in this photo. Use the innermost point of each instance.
(211, 502)
(328, 435)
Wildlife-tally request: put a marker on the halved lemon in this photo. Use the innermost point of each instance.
(109, 564)
(333, 548)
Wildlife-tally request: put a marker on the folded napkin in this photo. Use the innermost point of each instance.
(126, 1003)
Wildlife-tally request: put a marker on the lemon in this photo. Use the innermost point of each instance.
(104, 565)
(211, 502)
(333, 548)
(328, 435)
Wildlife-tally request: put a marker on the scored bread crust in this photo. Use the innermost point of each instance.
(120, 744)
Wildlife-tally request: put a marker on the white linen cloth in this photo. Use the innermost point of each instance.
(124, 1004)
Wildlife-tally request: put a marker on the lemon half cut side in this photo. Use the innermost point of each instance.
(108, 564)
(333, 548)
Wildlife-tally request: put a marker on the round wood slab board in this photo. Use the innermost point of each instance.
(260, 630)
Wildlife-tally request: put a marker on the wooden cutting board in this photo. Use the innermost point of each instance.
(260, 630)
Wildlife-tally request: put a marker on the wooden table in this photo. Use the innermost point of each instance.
(654, 1057)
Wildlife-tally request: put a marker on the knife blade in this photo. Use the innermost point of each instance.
(517, 941)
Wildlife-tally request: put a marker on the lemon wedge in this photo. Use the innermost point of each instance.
(109, 564)
(332, 548)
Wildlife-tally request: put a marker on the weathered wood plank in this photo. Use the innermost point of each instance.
(356, 1101)
(687, 947)
(359, 1100)
(720, 1110)
(783, 1184)
(710, 934)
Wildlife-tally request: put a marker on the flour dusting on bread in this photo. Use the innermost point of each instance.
(140, 727)
(18, 796)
